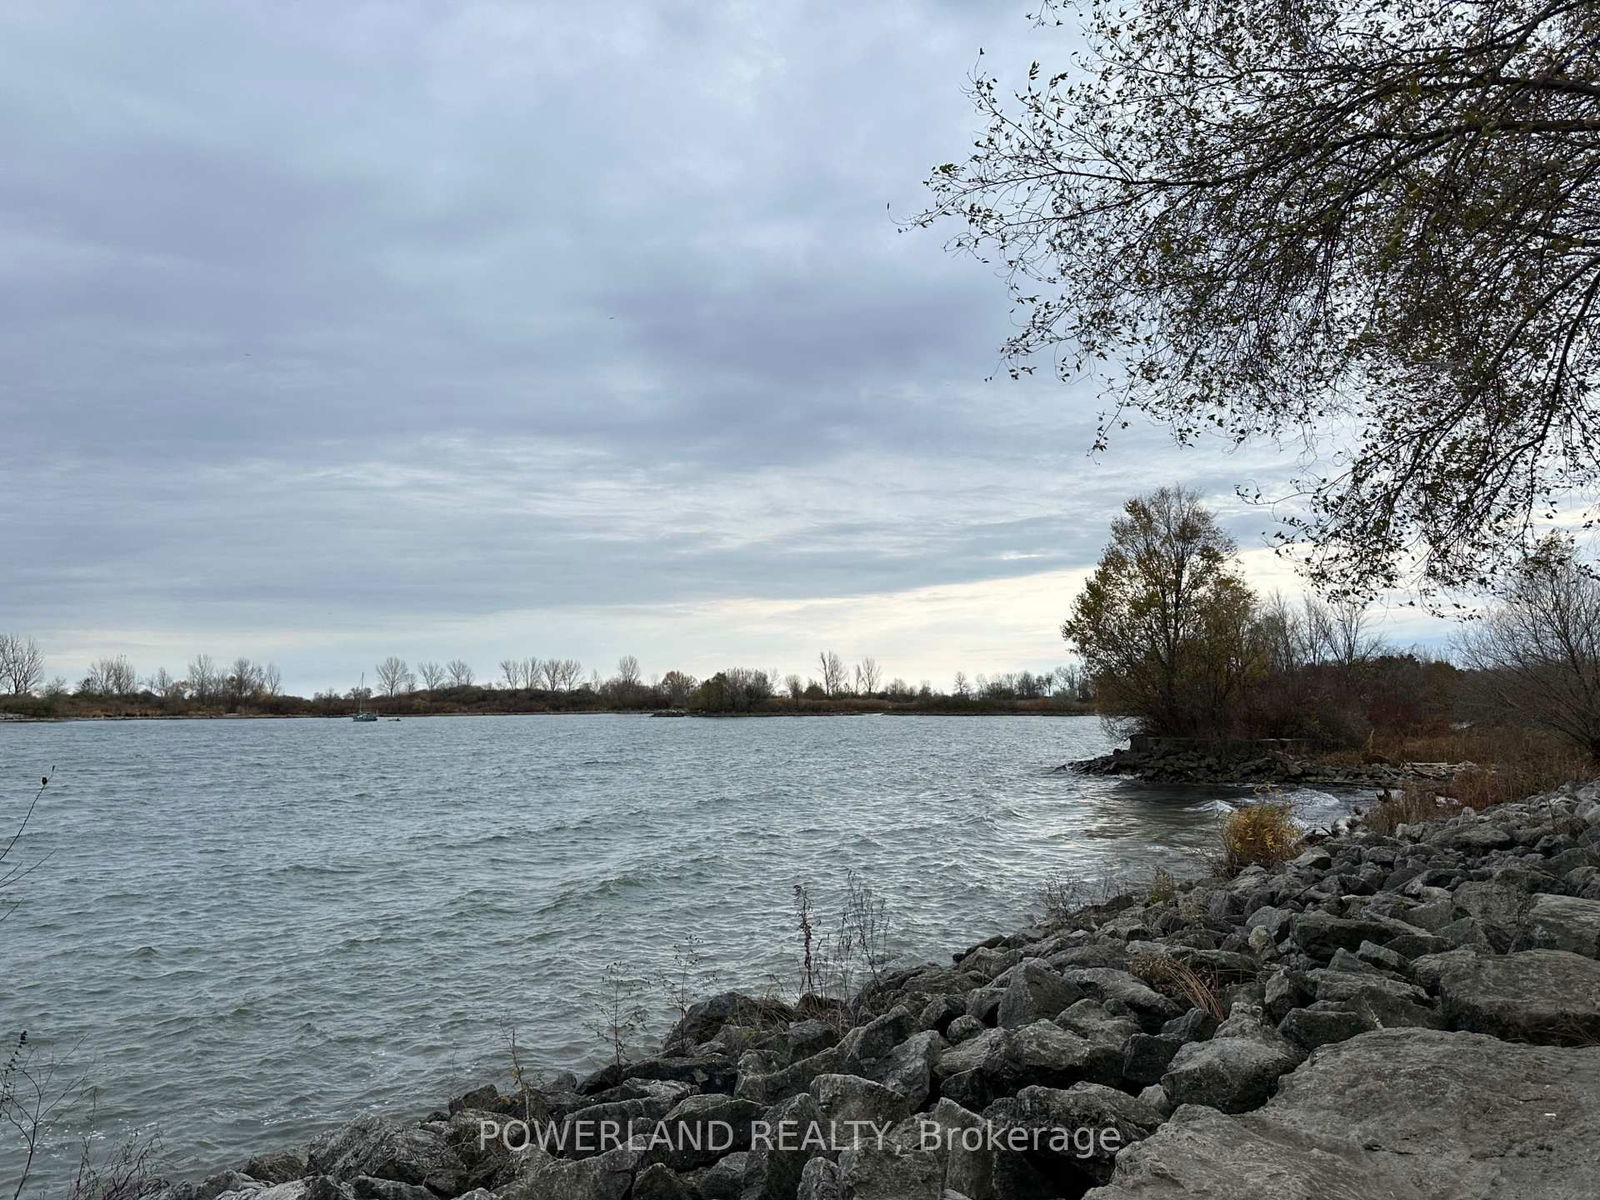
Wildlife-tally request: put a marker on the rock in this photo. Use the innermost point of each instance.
(1034, 993)
(1309, 1028)
(1107, 985)
(962, 1028)
(365, 1187)
(658, 1182)
(772, 1169)
(376, 1146)
(586, 1130)
(1079, 1130)
(908, 1068)
(1392, 1113)
(1477, 838)
(1145, 1058)
(1232, 1074)
(724, 1179)
(1563, 923)
(1196, 1025)
(701, 1129)
(607, 1176)
(705, 1020)
(1498, 910)
(938, 1013)
(1549, 996)
(276, 1166)
(224, 1182)
(820, 1180)
(846, 1100)
(1319, 934)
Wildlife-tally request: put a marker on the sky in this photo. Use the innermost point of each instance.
(492, 329)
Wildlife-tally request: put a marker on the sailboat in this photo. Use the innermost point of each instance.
(362, 714)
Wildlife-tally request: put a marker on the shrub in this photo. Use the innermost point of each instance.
(1261, 834)
(1413, 803)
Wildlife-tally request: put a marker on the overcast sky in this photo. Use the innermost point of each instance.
(334, 330)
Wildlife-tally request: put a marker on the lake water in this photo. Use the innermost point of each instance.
(246, 931)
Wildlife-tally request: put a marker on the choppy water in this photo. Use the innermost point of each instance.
(249, 930)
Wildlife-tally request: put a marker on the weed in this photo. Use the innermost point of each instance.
(1259, 834)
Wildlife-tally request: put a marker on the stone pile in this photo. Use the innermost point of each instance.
(1407, 1015)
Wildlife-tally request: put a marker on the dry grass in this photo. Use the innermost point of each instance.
(1172, 978)
(1260, 834)
(1411, 804)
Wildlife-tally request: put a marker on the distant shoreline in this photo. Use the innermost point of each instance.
(67, 718)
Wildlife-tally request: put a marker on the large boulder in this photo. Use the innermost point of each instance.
(1233, 1074)
(1565, 923)
(1391, 1113)
(1000, 1061)
(1075, 1132)
(384, 1149)
(1550, 996)
(1034, 993)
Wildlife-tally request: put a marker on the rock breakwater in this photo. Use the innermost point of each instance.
(1416, 1014)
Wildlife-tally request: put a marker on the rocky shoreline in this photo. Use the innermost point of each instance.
(1406, 1015)
(1177, 760)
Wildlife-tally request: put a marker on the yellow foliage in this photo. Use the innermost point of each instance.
(1262, 834)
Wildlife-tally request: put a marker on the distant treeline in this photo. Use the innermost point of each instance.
(113, 687)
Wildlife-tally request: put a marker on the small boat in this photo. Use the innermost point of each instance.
(362, 714)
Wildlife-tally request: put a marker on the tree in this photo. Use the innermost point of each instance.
(1538, 651)
(1164, 625)
(21, 664)
(394, 676)
(628, 671)
(833, 672)
(868, 673)
(677, 687)
(461, 674)
(243, 680)
(1284, 217)
(511, 672)
(204, 678)
(270, 679)
(433, 675)
(110, 677)
(959, 687)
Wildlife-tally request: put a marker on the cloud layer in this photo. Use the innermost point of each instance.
(523, 328)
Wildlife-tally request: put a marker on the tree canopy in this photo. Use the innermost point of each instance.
(1370, 224)
(1164, 624)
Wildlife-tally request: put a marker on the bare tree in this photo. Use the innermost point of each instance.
(532, 671)
(394, 676)
(460, 673)
(110, 677)
(833, 672)
(628, 673)
(511, 672)
(433, 675)
(244, 679)
(204, 677)
(562, 674)
(794, 685)
(21, 664)
(270, 679)
(1538, 652)
(868, 673)
(960, 687)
